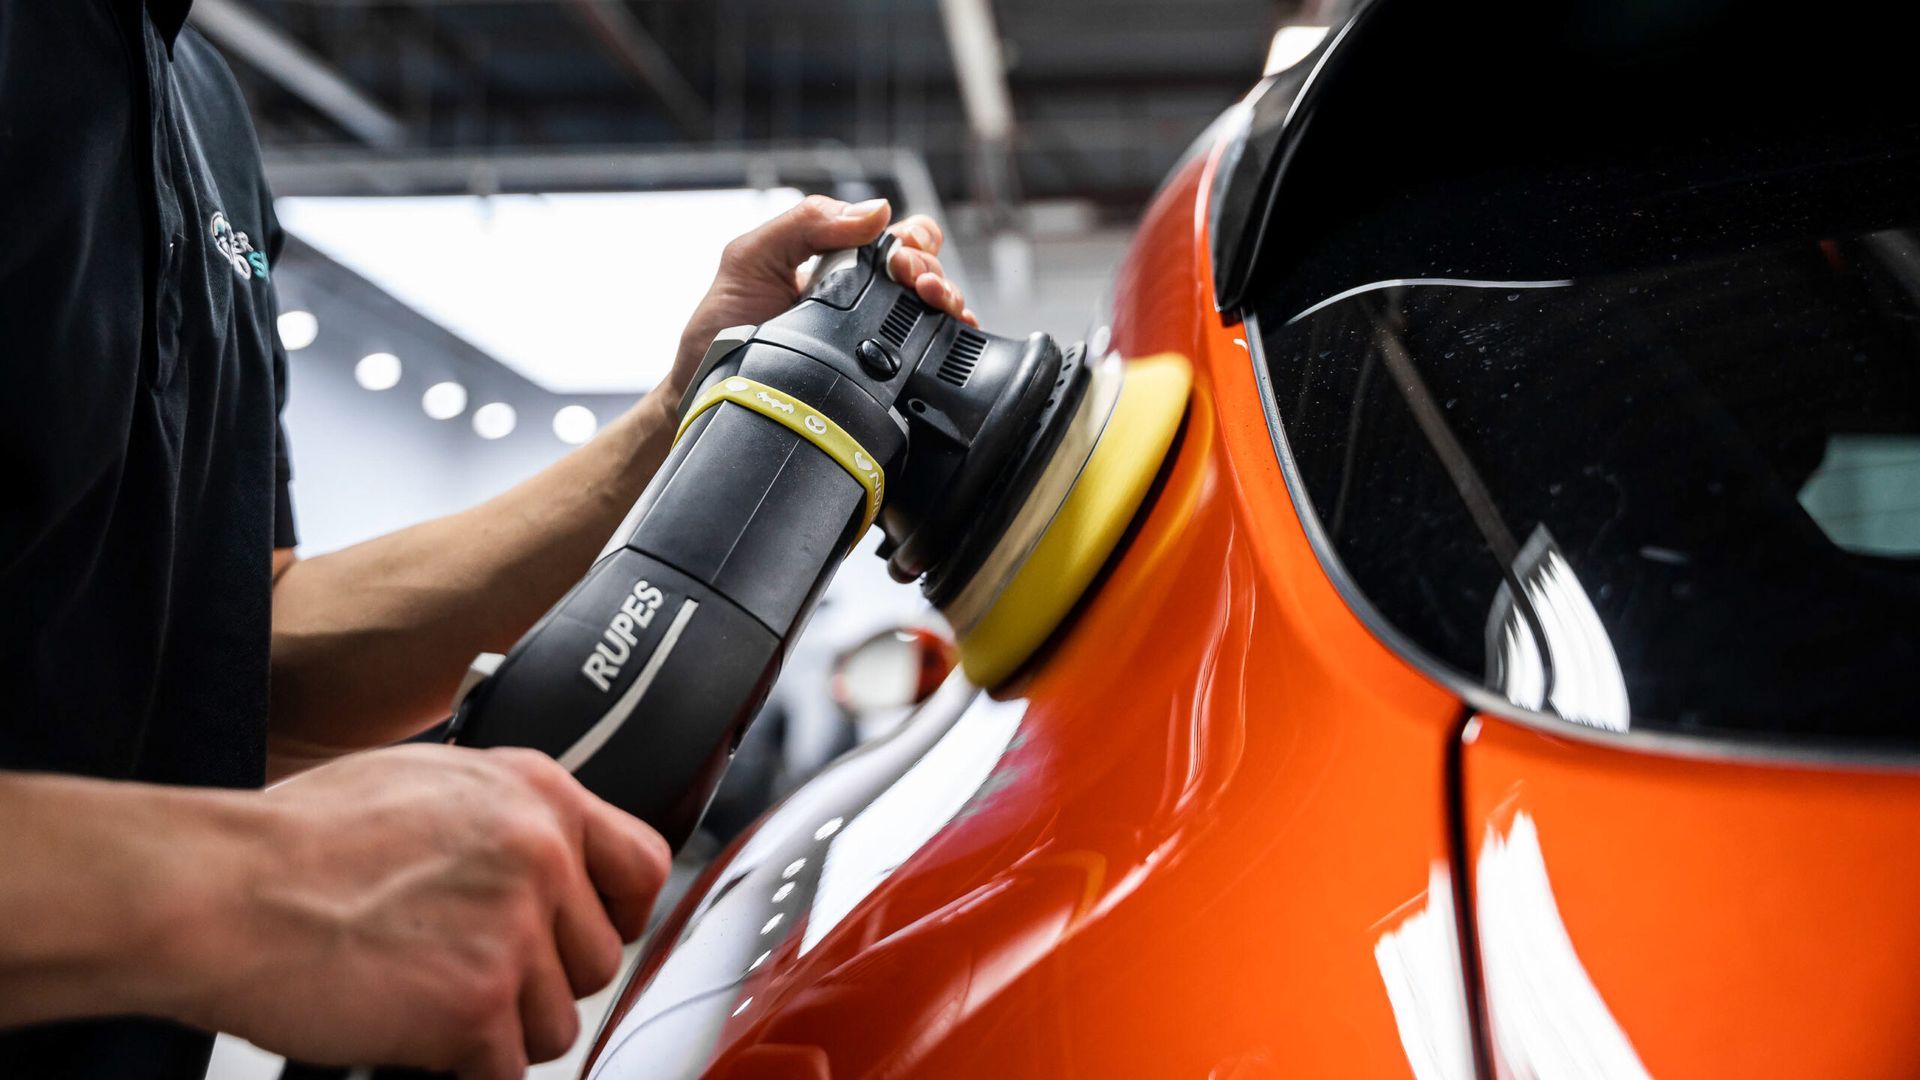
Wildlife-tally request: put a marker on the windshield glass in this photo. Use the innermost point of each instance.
(1683, 497)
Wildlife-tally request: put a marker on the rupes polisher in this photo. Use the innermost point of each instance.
(1002, 473)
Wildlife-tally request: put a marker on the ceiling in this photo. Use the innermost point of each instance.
(1105, 93)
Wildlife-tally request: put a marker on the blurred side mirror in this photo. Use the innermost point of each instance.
(891, 670)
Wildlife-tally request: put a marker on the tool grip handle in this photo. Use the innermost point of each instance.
(643, 678)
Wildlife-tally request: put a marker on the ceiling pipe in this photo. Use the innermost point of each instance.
(242, 33)
(981, 68)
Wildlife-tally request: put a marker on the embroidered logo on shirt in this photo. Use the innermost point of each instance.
(236, 248)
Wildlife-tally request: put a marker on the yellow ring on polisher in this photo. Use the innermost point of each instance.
(805, 421)
(1089, 524)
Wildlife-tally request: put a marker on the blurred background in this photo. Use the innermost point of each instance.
(501, 212)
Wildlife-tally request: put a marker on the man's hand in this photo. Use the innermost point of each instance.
(759, 272)
(427, 906)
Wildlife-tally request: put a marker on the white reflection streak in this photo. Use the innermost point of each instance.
(1523, 677)
(1419, 960)
(1587, 684)
(910, 812)
(1546, 1016)
(1588, 687)
(1401, 283)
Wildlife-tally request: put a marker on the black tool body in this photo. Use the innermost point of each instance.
(643, 678)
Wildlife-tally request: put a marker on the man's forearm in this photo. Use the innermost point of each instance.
(108, 888)
(369, 642)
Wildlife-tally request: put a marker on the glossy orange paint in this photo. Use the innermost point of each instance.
(1736, 918)
(1222, 794)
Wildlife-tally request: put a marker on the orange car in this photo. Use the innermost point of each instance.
(1514, 669)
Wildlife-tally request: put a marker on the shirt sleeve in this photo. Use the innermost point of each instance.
(284, 533)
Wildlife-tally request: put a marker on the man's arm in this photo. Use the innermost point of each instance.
(423, 905)
(370, 642)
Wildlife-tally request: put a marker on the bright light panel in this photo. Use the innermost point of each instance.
(298, 329)
(580, 293)
(444, 400)
(1292, 44)
(494, 420)
(377, 371)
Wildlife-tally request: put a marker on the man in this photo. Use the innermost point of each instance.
(422, 905)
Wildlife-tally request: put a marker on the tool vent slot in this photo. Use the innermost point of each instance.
(965, 352)
(901, 320)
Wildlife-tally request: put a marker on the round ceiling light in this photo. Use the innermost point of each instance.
(377, 371)
(494, 420)
(444, 400)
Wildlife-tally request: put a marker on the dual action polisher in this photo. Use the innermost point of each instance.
(1003, 473)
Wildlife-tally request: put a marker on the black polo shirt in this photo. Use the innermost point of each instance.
(143, 472)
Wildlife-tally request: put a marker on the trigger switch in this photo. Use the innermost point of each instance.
(479, 671)
(878, 359)
(840, 279)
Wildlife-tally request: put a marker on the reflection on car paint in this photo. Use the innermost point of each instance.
(906, 815)
(1419, 961)
(1545, 1015)
(801, 871)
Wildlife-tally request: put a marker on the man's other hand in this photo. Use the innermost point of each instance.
(760, 272)
(429, 906)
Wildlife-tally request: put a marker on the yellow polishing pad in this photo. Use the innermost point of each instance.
(1089, 523)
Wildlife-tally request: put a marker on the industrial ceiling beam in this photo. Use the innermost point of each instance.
(982, 69)
(244, 34)
(628, 42)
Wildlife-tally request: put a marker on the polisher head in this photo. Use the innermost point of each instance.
(1077, 512)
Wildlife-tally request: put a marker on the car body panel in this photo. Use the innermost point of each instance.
(1727, 917)
(1109, 880)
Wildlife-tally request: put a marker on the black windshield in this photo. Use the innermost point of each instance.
(1721, 455)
